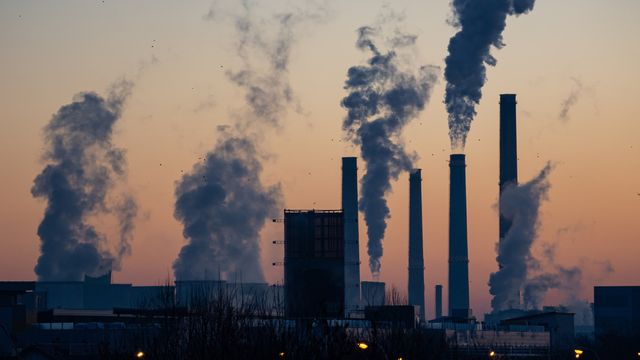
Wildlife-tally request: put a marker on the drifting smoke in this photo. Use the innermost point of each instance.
(267, 94)
(480, 23)
(223, 206)
(126, 210)
(519, 204)
(569, 280)
(521, 272)
(571, 100)
(83, 167)
(222, 202)
(382, 99)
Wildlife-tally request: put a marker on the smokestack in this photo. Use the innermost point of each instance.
(508, 163)
(458, 252)
(521, 205)
(508, 147)
(383, 97)
(351, 236)
(416, 261)
(438, 301)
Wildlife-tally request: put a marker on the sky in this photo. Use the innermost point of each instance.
(587, 50)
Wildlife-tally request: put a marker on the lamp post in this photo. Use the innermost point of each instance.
(579, 352)
(364, 346)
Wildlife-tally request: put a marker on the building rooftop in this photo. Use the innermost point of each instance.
(304, 211)
(538, 316)
(17, 285)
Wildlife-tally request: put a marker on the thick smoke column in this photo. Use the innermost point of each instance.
(519, 204)
(223, 206)
(521, 272)
(222, 202)
(382, 99)
(83, 167)
(480, 23)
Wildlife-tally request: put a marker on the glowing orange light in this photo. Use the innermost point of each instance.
(140, 355)
(363, 345)
(281, 354)
(492, 354)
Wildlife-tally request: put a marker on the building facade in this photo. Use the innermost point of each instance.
(314, 263)
(616, 311)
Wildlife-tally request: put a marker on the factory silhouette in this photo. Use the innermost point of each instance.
(323, 306)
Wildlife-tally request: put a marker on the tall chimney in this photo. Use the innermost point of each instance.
(508, 161)
(416, 261)
(351, 245)
(438, 301)
(458, 252)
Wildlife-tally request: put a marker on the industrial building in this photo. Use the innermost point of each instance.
(616, 311)
(390, 316)
(373, 293)
(530, 343)
(91, 294)
(559, 325)
(314, 263)
(80, 319)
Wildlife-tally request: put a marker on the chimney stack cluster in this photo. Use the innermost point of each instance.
(458, 289)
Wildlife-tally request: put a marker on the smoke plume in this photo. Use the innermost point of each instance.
(480, 24)
(547, 274)
(223, 206)
(519, 204)
(571, 100)
(82, 170)
(382, 98)
(521, 272)
(222, 202)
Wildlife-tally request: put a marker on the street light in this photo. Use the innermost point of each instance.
(492, 354)
(140, 354)
(579, 352)
(363, 345)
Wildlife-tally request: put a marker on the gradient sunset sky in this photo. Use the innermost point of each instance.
(177, 59)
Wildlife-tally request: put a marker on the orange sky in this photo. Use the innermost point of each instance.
(53, 50)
